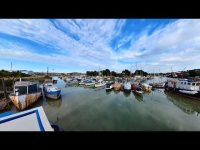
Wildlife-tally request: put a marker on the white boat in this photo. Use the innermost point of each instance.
(30, 120)
(25, 93)
(184, 86)
(100, 84)
(127, 86)
(51, 91)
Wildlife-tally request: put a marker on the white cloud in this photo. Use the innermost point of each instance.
(176, 44)
(86, 42)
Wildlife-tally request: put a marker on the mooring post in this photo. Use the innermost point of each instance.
(4, 88)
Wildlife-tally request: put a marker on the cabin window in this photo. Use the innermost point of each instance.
(189, 83)
(185, 83)
(32, 88)
(181, 82)
(198, 84)
(21, 89)
(193, 84)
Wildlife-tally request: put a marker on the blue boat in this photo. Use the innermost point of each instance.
(51, 91)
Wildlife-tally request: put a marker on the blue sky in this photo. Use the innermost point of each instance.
(68, 45)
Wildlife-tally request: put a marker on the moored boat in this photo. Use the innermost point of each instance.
(109, 85)
(127, 87)
(100, 83)
(139, 91)
(89, 83)
(184, 87)
(146, 87)
(117, 86)
(136, 89)
(25, 93)
(51, 91)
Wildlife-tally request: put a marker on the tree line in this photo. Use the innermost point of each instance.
(107, 72)
(4, 73)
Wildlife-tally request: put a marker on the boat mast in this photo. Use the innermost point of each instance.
(11, 67)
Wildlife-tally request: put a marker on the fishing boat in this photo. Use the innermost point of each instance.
(127, 87)
(25, 93)
(100, 83)
(30, 120)
(109, 85)
(51, 90)
(117, 86)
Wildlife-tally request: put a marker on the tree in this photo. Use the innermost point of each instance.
(140, 72)
(113, 73)
(193, 73)
(105, 72)
(92, 73)
(126, 72)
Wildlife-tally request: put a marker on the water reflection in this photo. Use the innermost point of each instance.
(116, 92)
(187, 105)
(126, 94)
(138, 97)
(108, 92)
(54, 102)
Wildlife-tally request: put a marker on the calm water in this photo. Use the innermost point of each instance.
(86, 109)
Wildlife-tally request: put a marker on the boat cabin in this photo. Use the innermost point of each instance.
(25, 87)
(188, 85)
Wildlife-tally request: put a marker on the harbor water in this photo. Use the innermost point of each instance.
(89, 109)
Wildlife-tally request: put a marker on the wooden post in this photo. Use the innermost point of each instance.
(4, 87)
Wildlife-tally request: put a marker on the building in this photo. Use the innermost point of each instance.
(27, 72)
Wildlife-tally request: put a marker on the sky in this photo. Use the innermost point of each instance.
(79, 45)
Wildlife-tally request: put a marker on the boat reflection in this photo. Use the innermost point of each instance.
(126, 94)
(187, 105)
(54, 102)
(138, 97)
(108, 92)
(116, 91)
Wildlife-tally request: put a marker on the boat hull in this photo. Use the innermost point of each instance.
(23, 101)
(99, 85)
(53, 94)
(139, 92)
(117, 86)
(177, 91)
